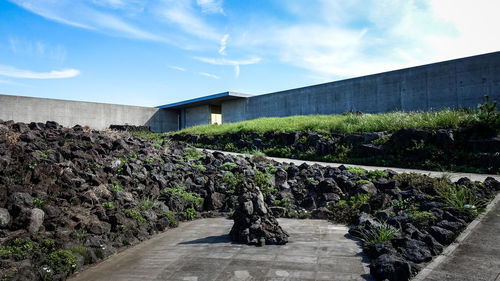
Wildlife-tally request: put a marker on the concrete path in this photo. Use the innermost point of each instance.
(474, 256)
(202, 250)
(454, 176)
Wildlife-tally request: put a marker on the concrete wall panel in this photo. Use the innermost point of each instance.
(199, 115)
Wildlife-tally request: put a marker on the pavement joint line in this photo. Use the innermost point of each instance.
(453, 246)
(454, 175)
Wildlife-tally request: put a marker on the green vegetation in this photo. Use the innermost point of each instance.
(232, 181)
(304, 215)
(228, 166)
(343, 123)
(346, 210)
(375, 174)
(312, 181)
(135, 215)
(193, 153)
(191, 198)
(62, 261)
(22, 248)
(108, 205)
(285, 203)
(406, 205)
(171, 218)
(380, 233)
(45, 153)
(82, 251)
(199, 167)
(458, 196)
(38, 203)
(116, 187)
(262, 181)
(356, 170)
(489, 117)
(422, 219)
(190, 214)
(147, 203)
(361, 182)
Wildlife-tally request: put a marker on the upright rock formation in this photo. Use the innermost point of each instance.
(254, 224)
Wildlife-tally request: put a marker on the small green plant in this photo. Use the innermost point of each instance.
(270, 169)
(380, 233)
(382, 140)
(356, 170)
(190, 214)
(285, 203)
(228, 166)
(230, 147)
(407, 205)
(232, 181)
(121, 228)
(304, 215)
(193, 153)
(45, 154)
(262, 181)
(38, 203)
(83, 252)
(97, 165)
(459, 197)
(191, 198)
(62, 261)
(312, 181)
(199, 167)
(375, 174)
(116, 187)
(345, 211)
(108, 205)
(292, 214)
(488, 116)
(147, 203)
(361, 182)
(171, 218)
(422, 219)
(79, 234)
(135, 215)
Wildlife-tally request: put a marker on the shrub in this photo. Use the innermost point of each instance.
(459, 197)
(82, 251)
(285, 203)
(135, 215)
(356, 170)
(171, 218)
(346, 210)
(228, 166)
(147, 203)
(191, 198)
(421, 219)
(376, 234)
(375, 174)
(304, 215)
(62, 261)
(262, 181)
(232, 181)
(108, 205)
(190, 213)
(489, 117)
(199, 167)
(361, 182)
(116, 187)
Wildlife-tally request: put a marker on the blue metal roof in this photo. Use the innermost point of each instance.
(205, 100)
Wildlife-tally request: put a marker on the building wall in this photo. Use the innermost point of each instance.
(94, 115)
(450, 84)
(199, 115)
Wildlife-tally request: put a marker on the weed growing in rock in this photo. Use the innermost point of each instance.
(116, 187)
(379, 233)
(135, 215)
(285, 203)
(191, 198)
(361, 182)
(457, 196)
(262, 181)
(375, 174)
(193, 154)
(422, 219)
(62, 261)
(147, 203)
(38, 203)
(83, 252)
(356, 170)
(228, 166)
(190, 214)
(108, 205)
(232, 181)
(199, 167)
(345, 211)
(171, 218)
(312, 181)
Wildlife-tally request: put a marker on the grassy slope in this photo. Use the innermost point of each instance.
(343, 123)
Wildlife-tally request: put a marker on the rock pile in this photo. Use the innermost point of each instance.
(254, 224)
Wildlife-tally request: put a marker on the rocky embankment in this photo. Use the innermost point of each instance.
(462, 149)
(73, 196)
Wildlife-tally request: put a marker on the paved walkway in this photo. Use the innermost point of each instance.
(474, 256)
(202, 250)
(454, 176)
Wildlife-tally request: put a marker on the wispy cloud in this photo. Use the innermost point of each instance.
(211, 6)
(209, 75)
(10, 71)
(37, 48)
(235, 63)
(177, 68)
(223, 42)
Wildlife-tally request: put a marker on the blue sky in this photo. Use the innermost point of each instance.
(156, 52)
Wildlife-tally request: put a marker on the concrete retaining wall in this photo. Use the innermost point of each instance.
(94, 115)
(450, 84)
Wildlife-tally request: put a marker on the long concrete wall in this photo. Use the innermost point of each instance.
(94, 115)
(450, 84)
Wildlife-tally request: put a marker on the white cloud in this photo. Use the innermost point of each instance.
(235, 63)
(10, 71)
(177, 68)
(223, 42)
(211, 6)
(209, 75)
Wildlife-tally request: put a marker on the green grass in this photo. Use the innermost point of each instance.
(381, 233)
(190, 197)
(343, 123)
